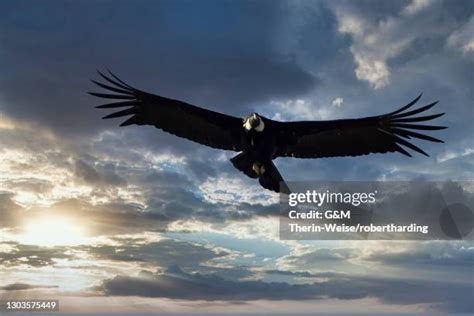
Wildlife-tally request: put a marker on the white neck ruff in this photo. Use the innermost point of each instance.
(260, 127)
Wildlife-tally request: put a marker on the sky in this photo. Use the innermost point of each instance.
(109, 219)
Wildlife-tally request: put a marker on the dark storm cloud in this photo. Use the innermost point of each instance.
(234, 273)
(24, 286)
(177, 284)
(91, 175)
(305, 274)
(217, 56)
(31, 255)
(163, 253)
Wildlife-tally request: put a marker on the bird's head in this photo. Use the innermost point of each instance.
(253, 121)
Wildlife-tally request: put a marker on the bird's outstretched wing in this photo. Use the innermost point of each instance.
(391, 132)
(179, 118)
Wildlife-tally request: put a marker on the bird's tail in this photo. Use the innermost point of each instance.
(267, 173)
(272, 179)
(244, 163)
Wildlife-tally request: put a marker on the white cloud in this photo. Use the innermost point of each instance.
(463, 38)
(337, 102)
(41, 170)
(370, 47)
(300, 109)
(375, 40)
(416, 6)
(376, 72)
(448, 155)
(230, 189)
(351, 24)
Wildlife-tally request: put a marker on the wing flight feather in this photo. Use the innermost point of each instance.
(354, 137)
(200, 125)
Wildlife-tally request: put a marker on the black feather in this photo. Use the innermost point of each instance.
(121, 113)
(401, 150)
(421, 127)
(116, 105)
(417, 119)
(130, 121)
(391, 132)
(123, 86)
(406, 106)
(419, 110)
(409, 145)
(407, 134)
(112, 96)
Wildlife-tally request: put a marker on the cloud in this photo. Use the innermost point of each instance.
(117, 192)
(443, 255)
(92, 176)
(10, 211)
(25, 286)
(163, 253)
(449, 155)
(372, 46)
(320, 258)
(227, 71)
(302, 109)
(380, 37)
(325, 254)
(416, 6)
(30, 255)
(103, 219)
(130, 187)
(235, 189)
(304, 274)
(177, 284)
(337, 102)
(463, 38)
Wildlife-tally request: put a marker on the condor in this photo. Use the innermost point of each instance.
(260, 140)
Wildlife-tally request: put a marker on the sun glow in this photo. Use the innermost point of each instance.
(52, 231)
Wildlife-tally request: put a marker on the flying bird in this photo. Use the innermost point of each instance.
(259, 140)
